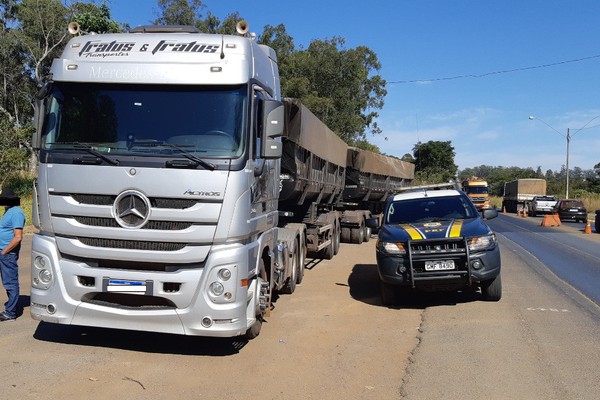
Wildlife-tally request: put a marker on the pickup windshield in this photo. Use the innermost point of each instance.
(157, 120)
(429, 209)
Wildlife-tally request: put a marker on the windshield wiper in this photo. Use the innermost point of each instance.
(88, 147)
(185, 153)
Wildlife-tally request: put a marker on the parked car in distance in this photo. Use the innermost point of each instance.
(541, 205)
(433, 238)
(571, 210)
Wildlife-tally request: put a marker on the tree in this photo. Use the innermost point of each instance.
(179, 12)
(339, 85)
(92, 18)
(434, 161)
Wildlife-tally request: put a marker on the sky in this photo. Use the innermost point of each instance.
(467, 71)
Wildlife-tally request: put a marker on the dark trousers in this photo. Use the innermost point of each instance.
(10, 280)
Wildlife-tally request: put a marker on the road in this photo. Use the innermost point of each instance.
(332, 339)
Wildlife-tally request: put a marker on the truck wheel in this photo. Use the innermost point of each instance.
(492, 290)
(254, 330)
(389, 294)
(327, 252)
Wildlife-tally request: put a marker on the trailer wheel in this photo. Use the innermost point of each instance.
(327, 252)
(346, 237)
(367, 235)
(336, 238)
(357, 235)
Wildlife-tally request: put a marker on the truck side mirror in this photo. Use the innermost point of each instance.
(272, 128)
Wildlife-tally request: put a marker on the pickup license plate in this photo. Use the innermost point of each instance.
(122, 285)
(443, 265)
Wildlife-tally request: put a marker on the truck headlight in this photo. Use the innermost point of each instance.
(391, 247)
(480, 243)
(42, 276)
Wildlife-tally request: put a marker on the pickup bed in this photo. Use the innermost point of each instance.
(541, 205)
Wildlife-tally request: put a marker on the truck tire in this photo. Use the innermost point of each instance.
(389, 294)
(254, 330)
(290, 284)
(492, 290)
(301, 259)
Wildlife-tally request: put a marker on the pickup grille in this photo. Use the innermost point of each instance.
(455, 249)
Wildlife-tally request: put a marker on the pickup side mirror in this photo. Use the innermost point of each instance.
(272, 128)
(490, 213)
(373, 222)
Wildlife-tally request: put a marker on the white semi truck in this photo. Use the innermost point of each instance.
(176, 190)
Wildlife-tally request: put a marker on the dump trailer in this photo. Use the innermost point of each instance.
(518, 193)
(176, 191)
(371, 178)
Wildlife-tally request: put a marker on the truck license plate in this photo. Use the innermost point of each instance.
(121, 285)
(439, 265)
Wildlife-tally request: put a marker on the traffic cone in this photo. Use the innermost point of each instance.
(503, 209)
(588, 227)
(524, 213)
(519, 212)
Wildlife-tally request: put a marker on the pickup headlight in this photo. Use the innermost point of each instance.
(391, 247)
(480, 243)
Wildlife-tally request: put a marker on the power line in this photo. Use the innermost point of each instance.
(497, 72)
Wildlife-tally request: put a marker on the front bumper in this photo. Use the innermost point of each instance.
(482, 266)
(78, 295)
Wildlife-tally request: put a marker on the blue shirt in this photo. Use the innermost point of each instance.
(13, 218)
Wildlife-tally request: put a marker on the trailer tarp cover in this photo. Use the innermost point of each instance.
(369, 162)
(306, 130)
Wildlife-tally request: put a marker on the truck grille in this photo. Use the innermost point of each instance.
(131, 244)
(157, 202)
(154, 225)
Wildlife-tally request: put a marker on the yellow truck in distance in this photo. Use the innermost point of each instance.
(478, 191)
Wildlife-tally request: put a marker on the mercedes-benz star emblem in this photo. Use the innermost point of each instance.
(131, 209)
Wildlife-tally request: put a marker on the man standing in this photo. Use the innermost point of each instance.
(11, 234)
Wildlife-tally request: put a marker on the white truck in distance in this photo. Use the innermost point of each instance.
(159, 181)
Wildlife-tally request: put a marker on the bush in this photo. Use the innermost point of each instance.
(21, 183)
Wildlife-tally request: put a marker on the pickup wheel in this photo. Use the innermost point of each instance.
(492, 290)
(389, 294)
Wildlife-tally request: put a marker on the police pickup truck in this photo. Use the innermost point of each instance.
(433, 238)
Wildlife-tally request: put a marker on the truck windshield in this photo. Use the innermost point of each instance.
(429, 209)
(147, 119)
(477, 189)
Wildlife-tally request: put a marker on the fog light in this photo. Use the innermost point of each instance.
(40, 262)
(476, 264)
(51, 308)
(207, 322)
(224, 274)
(216, 288)
(45, 276)
(402, 269)
(227, 296)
